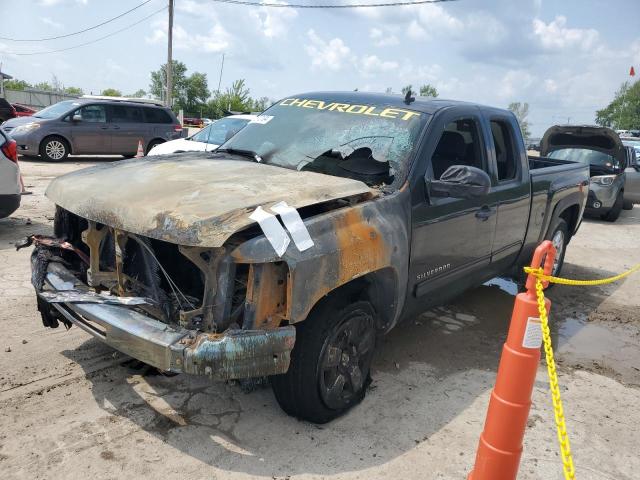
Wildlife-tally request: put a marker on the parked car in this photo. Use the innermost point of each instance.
(92, 126)
(23, 110)
(401, 205)
(207, 139)
(601, 149)
(632, 174)
(10, 182)
(6, 110)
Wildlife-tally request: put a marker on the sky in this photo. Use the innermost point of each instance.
(566, 59)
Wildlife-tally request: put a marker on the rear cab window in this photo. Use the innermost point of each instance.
(505, 150)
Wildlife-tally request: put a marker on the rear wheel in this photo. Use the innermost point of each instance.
(152, 144)
(330, 362)
(559, 235)
(54, 149)
(613, 214)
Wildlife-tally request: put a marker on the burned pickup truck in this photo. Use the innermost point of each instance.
(292, 248)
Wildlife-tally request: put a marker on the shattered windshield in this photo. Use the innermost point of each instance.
(371, 143)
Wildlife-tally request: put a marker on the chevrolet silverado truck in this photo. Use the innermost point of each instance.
(394, 205)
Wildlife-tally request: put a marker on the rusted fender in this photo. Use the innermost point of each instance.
(349, 242)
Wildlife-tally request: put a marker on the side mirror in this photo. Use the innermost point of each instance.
(76, 118)
(460, 181)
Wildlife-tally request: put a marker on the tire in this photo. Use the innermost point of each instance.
(558, 233)
(627, 205)
(613, 214)
(54, 149)
(331, 361)
(152, 144)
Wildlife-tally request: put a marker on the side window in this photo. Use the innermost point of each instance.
(92, 114)
(125, 114)
(505, 151)
(458, 145)
(157, 115)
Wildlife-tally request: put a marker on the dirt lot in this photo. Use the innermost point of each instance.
(71, 407)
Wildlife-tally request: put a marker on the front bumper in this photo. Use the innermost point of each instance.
(234, 354)
(601, 198)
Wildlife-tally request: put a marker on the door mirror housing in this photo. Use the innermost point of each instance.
(460, 181)
(76, 118)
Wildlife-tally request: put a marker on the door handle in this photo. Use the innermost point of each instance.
(104, 128)
(116, 127)
(484, 213)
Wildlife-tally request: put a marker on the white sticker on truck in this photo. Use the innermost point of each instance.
(532, 333)
(275, 233)
(292, 220)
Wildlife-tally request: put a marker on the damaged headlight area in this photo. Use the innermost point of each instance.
(179, 308)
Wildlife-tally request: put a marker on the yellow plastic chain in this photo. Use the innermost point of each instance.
(563, 437)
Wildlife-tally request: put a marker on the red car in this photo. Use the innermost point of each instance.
(23, 110)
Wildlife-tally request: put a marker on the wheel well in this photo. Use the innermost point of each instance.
(155, 140)
(66, 142)
(379, 287)
(570, 215)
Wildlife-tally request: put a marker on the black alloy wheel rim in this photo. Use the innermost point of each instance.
(346, 360)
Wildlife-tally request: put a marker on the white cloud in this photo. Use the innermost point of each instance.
(382, 39)
(51, 23)
(273, 22)
(332, 55)
(216, 40)
(371, 64)
(555, 35)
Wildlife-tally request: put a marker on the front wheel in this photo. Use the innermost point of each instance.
(627, 205)
(613, 214)
(54, 149)
(330, 362)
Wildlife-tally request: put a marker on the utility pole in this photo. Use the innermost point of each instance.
(220, 79)
(169, 57)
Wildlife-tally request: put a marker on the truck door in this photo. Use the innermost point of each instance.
(512, 189)
(451, 237)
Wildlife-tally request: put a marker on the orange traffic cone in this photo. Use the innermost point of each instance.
(140, 152)
(500, 447)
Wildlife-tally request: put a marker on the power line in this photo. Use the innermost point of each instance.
(349, 5)
(75, 33)
(92, 41)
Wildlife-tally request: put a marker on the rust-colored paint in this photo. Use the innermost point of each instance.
(266, 299)
(361, 247)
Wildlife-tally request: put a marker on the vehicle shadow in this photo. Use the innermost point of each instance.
(16, 228)
(428, 371)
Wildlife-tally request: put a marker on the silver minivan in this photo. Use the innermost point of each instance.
(93, 126)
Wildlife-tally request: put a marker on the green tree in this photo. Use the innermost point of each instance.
(46, 86)
(158, 84)
(521, 111)
(73, 91)
(196, 92)
(16, 84)
(111, 92)
(428, 90)
(138, 94)
(624, 110)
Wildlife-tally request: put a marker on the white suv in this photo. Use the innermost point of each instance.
(10, 180)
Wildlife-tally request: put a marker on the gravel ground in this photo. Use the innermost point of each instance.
(71, 407)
